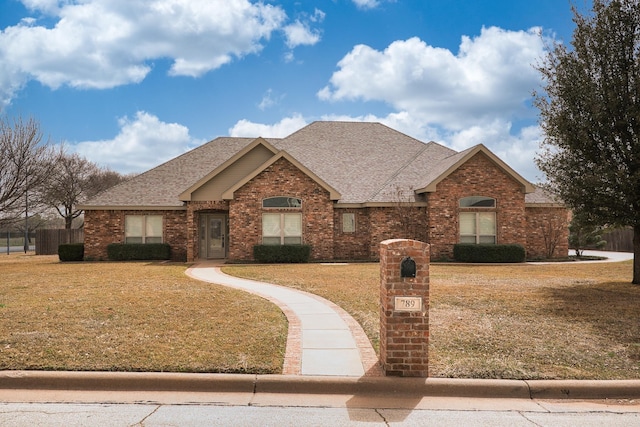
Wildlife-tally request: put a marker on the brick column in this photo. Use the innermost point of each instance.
(404, 313)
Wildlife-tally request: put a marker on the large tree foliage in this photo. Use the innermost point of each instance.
(25, 164)
(72, 181)
(590, 113)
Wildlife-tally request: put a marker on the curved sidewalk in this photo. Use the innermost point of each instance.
(323, 339)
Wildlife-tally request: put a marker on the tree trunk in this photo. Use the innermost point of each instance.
(68, 222)
(636, 255)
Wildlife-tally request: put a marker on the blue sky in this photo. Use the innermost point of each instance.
(130, 84)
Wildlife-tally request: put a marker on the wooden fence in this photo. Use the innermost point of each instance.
(620, 240)
(47, 241)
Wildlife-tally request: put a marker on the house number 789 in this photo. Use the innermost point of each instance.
(408, 304)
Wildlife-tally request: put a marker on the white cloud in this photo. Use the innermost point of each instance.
(142, 143)
(106, 43)
(491, 76)
(366, 4)
(269, 99)
(461, 99)
(284, 127)
(299, 33)
(516, 150)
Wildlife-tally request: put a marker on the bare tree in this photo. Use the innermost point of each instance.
(553, 231)
(73, 180)
(25, 164)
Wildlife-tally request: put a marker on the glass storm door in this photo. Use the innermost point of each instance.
(213, 236)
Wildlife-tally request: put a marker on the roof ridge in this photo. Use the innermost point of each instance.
(396, 173)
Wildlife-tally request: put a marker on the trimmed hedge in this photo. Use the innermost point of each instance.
(466, 252)
(138, 251)
(71, 252)
(282, 254)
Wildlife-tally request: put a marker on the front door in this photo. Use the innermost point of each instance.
(213, 236)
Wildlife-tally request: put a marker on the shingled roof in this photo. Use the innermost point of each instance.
(363, 162)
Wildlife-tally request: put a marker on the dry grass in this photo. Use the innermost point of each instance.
(131, 317)
(520, 321)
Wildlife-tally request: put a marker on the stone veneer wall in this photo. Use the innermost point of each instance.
(479, 176)
(545, 224)
(103, 227)
(280, 179)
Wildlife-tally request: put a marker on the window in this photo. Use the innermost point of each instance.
(281, 229)
(282, 202)
(143, 229)
(478, 220)
(477, 227)
(477, 202)
(348, 222)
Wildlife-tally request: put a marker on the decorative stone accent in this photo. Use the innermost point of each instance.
(404, 312)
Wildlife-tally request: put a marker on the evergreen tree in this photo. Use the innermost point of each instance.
(590, 113)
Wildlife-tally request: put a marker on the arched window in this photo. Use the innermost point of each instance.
(282, 228)
(282, 202)
(478, 220)
(477, 202)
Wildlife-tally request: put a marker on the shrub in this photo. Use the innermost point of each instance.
(71, 252)
(138, 251)
(465, 252)
(281, 254)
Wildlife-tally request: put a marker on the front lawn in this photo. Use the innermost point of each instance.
(559, 321)
(566, 320)
(131, 316)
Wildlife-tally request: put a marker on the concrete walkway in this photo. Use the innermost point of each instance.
(323, 339)
(610, 256)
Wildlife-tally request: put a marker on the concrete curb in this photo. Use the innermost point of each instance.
(286, 384)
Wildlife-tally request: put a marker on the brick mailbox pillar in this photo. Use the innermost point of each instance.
(404, 313)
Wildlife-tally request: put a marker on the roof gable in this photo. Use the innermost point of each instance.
(359, 163)
(449, 165)
(333, 193)
(212, 185)
(160, 187)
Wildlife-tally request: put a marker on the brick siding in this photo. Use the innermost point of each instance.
(547, 229)
(404, 335)
(437, 224)
(479, 176)
(103, 227)
(280, 179)
(194, 210)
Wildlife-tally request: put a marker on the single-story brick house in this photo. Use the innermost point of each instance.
(341, 187)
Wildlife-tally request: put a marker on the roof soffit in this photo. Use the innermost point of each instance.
(186, 194)
(468, 154)
(333, 193)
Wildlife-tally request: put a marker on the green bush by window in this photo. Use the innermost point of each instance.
(466, 252)
(281, 253)
(71, 252)
(138, 251)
